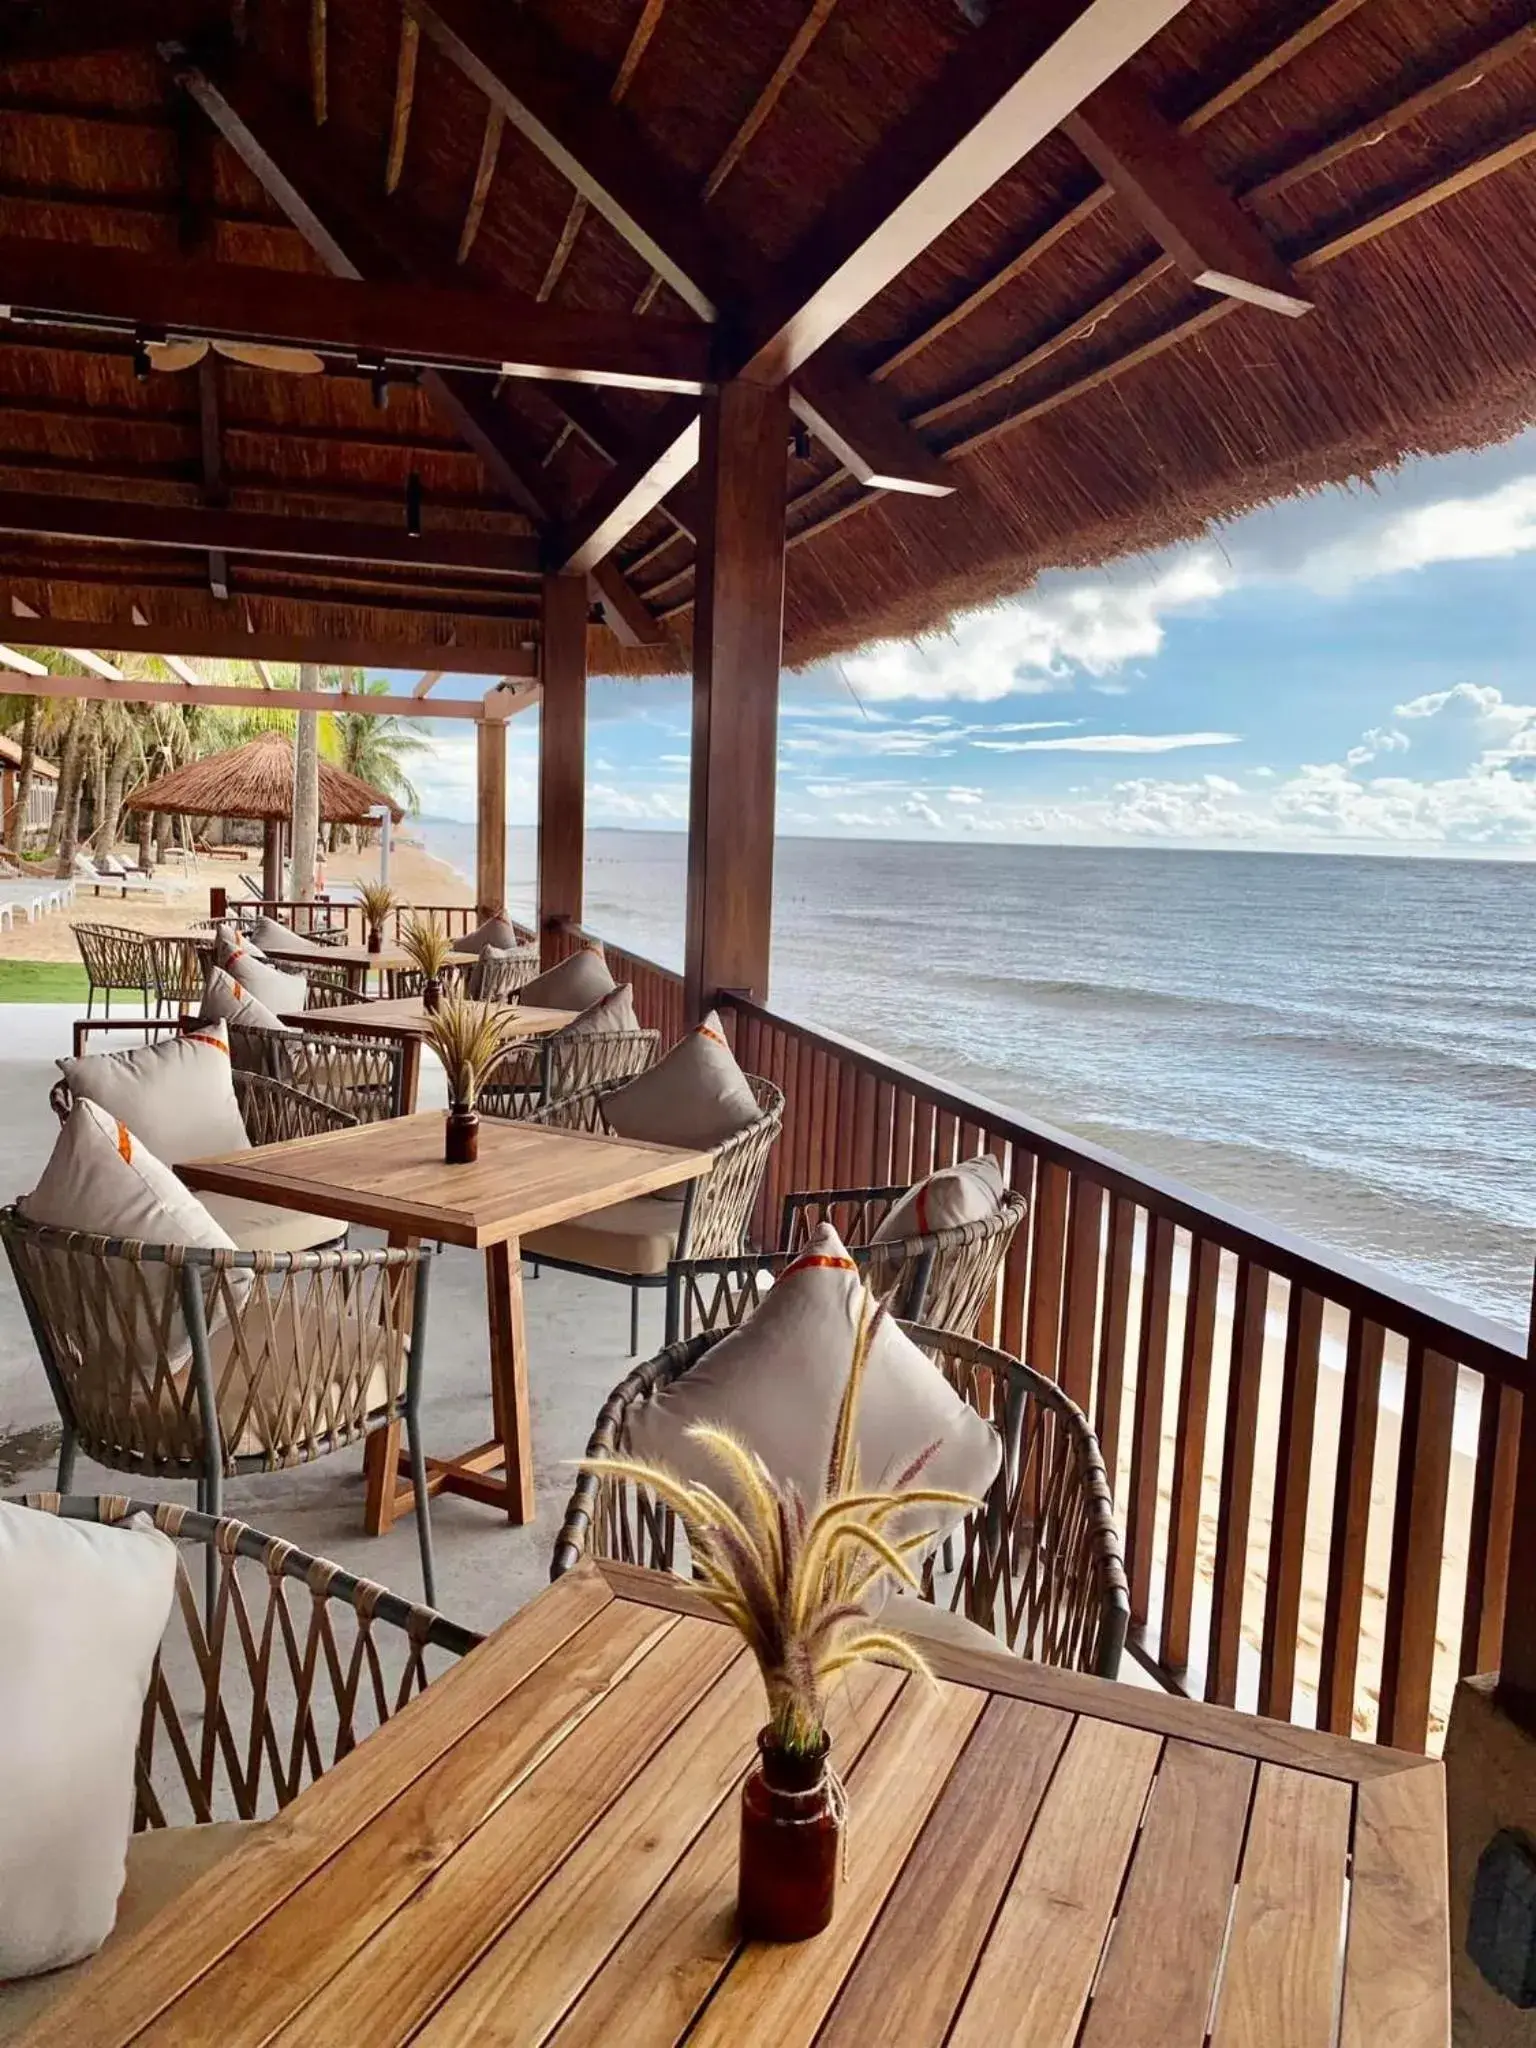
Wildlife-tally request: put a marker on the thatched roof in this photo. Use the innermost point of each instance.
(1088, 396)
(256, 781)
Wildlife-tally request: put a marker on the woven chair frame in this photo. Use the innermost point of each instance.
(176, 966)
(943, 1278)
(364, 1077)
(529, 1076)
(269, 1111)
(116, 957)
(494, 981)
(273, 1676)
(402, 984)
(1039, 1564)
(329, 988)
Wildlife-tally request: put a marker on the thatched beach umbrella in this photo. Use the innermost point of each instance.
(256, 781)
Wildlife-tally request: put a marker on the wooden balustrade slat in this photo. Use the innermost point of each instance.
(1015, 1290)
(1080, 1308)
(1493, 1521)
(1114, 1327)
(1250, 1308)
(1418, 1540)
(946, 1136)
(1293, 1482)
(1147, 1428)
(1047, 1265)
(922, 1138)
(885, 1131)
(901, 1140)
(796, 1138)
(823, 1094)
(1356, 1472)
(1189, 1453)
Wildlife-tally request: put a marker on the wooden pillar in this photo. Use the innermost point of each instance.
(1517, 1661)
(272, 859)
(562, 759)
(490, 816)
(737, 642)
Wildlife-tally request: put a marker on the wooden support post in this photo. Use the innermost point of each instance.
(1517, 1663)
(562, 759)
(272, 860)
(738, 640)
(490, 817)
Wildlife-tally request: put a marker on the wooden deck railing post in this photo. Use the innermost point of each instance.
(562, 760)
(490, 816)
(737, 642)
(1517, 1663)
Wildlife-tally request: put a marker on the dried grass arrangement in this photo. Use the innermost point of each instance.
(426, 945)
(469, 1038)
(377, 900)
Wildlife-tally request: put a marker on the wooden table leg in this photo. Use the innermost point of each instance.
(410, 1075)
(509, 1373)
(381, 1454)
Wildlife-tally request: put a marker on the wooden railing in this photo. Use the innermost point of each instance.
(455, 918)
(1313, 1462)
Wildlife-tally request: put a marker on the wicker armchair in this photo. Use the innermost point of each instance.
(281, 1674)
(329, 988)
(942, 1278)
(270, 1111)
(176, 967)
(710, 1220)
(184, 1363)
(116, 957)
(364, 1077)
(403, 984)
(546, 1070)
(496, 981)
(1038, 1564)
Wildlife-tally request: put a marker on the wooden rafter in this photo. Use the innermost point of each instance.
(506, 697)
(139, 691)
(318, 60)
(211, 454)
(429, 682)
(41, 34)
(439, 327)
(220, 639)
(1160, 176)
(405, 99)
(485, 171)
(136, 525)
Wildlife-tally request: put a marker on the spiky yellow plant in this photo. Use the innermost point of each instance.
(469, 1038)
(378, 900)
(426, 945)
(792, 1581)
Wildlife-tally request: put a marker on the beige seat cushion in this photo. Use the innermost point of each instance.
(574, 984)
(937, 1628)
(177, 1095)
(967, 1193)
(697, 1096)
(230, 1000)
(82, 1609)
(263, 1227)
(777, 1381)
(162, 1864)
(637, 1237)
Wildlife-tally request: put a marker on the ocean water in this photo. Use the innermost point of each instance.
(1347, 1046)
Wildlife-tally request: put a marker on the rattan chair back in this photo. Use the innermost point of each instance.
(261, 1688)
(498, 980)
(270, 1111)
(176, 966)
(1039, 1564)
(364, 1077)
(116, 957)
(530, 1075)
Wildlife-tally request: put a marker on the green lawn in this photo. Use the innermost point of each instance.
(42, 981)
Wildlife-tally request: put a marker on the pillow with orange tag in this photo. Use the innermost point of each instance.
(177, 1095)
(776, 1383)
(696, 1097)
(257, 975)
(967, 1193)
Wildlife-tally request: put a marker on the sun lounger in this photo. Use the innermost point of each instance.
(87, 873)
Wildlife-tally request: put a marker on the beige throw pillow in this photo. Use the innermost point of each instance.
(103, 1180)
(227, 999)
(495, 931)
(82, 1610)
(177, 1095)
(574, 984)
(697, 1096)
(967, 1193)
(612, 1012)
(267, 933)
(270, 986)
(776, 1383)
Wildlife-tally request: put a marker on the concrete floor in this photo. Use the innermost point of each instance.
(578, 1332)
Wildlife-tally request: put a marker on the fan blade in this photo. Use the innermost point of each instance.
(176, 355)
(257, 355)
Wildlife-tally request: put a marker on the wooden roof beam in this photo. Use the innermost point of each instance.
(136, 691)
(223, 640)
(1160, 175)
(429, 682)
(129, 524)
(436, 327)
(509, 696)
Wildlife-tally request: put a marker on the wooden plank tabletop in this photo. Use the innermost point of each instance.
(405, 1018)
(542, 1849)
(392, 1174)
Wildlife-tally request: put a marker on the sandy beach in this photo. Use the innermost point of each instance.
(415, 875)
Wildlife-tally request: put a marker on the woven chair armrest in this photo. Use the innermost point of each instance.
(799, 1200)
(272, 1112)
(723, 1198)
(328, 989)
(154, 1027)
(582, 1111)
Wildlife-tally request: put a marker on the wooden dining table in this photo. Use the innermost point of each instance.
(542, 1847)
(405, 1019)
(392, 1175)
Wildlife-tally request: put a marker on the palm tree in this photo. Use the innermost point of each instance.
(377, 747)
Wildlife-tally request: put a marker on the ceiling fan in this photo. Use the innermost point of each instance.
(255, 355)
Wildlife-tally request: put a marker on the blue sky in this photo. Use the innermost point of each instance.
(1351, 671)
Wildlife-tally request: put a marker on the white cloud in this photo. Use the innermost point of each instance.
(1379, 740)
(1497, 524)
(1034, 643)
(1113, 743)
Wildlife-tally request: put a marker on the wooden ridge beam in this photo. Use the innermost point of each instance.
(96, 689)
(116, 522)
(222, 640)
(430, 326)
(1161, 177)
